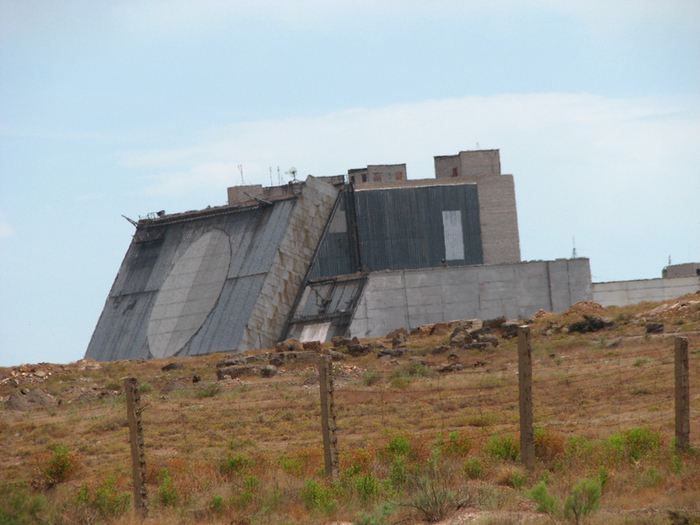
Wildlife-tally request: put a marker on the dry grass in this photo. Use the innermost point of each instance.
(251, 451)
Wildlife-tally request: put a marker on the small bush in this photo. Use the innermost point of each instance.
(432, 495)
(234, 464)
(473, 468)
(105, 500)
(457, 444)
(60, 466)
(318, 496)
(376, 516)
(367, 487)
(584, 499)
(545, 501)
(635, 443)
(503, 447)
(167, 493)
(216, 504)
(399, 446)
(549, 445)
(18, 506)
(145, 388)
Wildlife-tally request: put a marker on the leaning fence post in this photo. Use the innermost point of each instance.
(138, 453)
(330, 442)
(682, 394)
(527, 433)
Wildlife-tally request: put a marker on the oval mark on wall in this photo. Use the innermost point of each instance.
(189, 294)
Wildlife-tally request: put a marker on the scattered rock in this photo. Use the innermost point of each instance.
(356, 348)
(614, 343)
(421, 331)
(393, 352)
(399, 339)
(489, 339)
(396, 332)
(584, 308)
(655, 328)
(340, 342)
(509, 329)
(88, 364)
(172, 366)
(454, 367)
(289, 345)
(234, 372)
(30, 399)
(231, 362)
(460, 337)
(439, 329)
(590, 324)
(312, 346)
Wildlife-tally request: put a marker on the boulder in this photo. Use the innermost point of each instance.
(313, 346)
(28, 399)
(172, 366)
(289, 345)
(233, 372)
(655, 328)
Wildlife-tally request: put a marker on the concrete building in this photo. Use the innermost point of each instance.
(357, 255)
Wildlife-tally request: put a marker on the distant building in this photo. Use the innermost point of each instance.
(357, 255)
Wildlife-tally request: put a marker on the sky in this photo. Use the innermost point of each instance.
(111, 108)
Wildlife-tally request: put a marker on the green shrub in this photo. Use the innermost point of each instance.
(473, 468)
(545, 501)
(635, 443)
(457, 444)
(431, 493)
(216, 504)
(503, 447)
(167, 493)
(518, 479)
(398, 473)
(234, 464)
(60, 466)
(18, 506)
(584, 499)
(367, 486)
(318, 496)
(144, 388)
(399, 446)
(105, 499)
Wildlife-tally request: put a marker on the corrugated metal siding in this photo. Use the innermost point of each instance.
(334, 255)
(402, 228)
(255, 236)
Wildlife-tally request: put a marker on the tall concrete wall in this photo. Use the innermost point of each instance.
(499, 219)
(622, 293)
(284, 278)
(410, 298)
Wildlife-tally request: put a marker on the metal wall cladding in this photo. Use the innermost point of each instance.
(255, 236)
(335, 252)
(405, 228)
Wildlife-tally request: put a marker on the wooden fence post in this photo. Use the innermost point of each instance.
(527, 433)
(138, 454)
(682, 394)
(330, 441)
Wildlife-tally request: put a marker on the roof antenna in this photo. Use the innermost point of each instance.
(573, 253)
(240, 168)
(271, 176)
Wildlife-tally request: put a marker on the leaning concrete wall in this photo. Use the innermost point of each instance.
(284, 278)
(410, 298)
(623, 293)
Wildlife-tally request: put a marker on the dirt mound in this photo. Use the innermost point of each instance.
(584, 308)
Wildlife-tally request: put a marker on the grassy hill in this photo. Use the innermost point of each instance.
(428, 432)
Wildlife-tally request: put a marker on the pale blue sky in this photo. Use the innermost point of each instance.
(126, 107)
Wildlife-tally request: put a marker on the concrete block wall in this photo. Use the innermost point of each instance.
(681, 270)
(292, 260)
(410, 298)
(499, 219)
(623, 293)
(478, 163)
